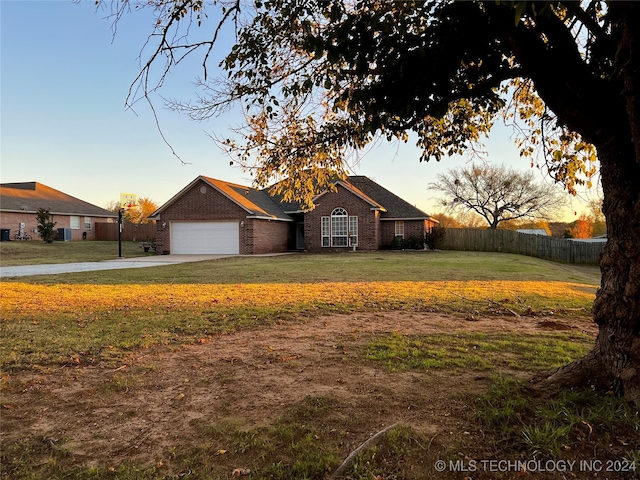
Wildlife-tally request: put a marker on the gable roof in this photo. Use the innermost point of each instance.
(296, 207)
(395, 208)
(257, 203)
(349, 185)
(260, 204)
(391, 206)
(28, 197)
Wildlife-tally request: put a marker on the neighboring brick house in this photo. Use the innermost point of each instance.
(19, 203)
(212, 216)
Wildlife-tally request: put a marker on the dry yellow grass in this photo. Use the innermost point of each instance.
(45, 324)
(24, 299)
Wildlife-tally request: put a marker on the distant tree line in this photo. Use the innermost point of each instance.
(588, 225)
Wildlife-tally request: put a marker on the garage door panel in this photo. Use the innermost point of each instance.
(213, 238)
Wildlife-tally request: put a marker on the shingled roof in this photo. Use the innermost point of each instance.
(257, 203)
(396, 207)
(391, 206)
(28, 197)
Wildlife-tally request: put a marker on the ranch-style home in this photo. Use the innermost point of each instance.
(211, 216)
(75, 219)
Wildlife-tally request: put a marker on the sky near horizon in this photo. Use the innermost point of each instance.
(64, 80)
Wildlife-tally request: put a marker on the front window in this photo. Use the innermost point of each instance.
(353, 231)
(399, 229)
(339, 230)
(326, 232)
(74, 222)
(87, 223)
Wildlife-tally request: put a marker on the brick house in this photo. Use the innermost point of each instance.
(211, 216)
(19, 203)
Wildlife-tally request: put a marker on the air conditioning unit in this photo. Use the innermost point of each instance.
(64, 234)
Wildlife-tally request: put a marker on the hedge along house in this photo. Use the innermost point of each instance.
(19, 203)
(211, 216)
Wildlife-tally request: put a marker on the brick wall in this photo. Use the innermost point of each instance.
(387, 232)
(12, 221)
(412, 229)
(204, 203)
(201, 202)
(267, 236)
(368, 221)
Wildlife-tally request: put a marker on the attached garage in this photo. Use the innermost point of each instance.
(211, 238)
(214, 217)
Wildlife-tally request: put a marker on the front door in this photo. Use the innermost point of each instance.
(300, 236)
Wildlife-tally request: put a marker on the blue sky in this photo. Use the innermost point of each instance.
(64, 81)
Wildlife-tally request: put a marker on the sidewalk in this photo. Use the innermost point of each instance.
(136, 262)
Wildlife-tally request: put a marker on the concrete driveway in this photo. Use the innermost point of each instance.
(137, 262)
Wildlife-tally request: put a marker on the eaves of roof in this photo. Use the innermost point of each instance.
(28, 197)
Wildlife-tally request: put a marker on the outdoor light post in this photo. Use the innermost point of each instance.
(120, 215)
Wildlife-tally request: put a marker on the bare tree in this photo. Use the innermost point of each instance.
(497, 193)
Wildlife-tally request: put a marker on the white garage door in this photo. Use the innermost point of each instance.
(205, 238)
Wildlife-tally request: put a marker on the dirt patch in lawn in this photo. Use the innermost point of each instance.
(161, 399)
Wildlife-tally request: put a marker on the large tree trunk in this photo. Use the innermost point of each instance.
(617, 306)
(614, 362)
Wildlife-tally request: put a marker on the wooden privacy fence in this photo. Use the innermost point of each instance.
(130, 231)
(508, 241)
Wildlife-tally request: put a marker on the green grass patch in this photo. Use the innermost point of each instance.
(73, 339)
(320, 268)
(400, 453)
(303, 444)
(38, 252)
(36, 457)
(102, 316)
(552, 427)
(478, 351)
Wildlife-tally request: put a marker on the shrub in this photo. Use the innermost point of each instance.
(45, 225)
(411, 243)
(435, 238)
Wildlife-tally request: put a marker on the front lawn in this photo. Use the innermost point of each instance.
(316, 268)
(37, 252)
(279, 367)
(104, 315)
